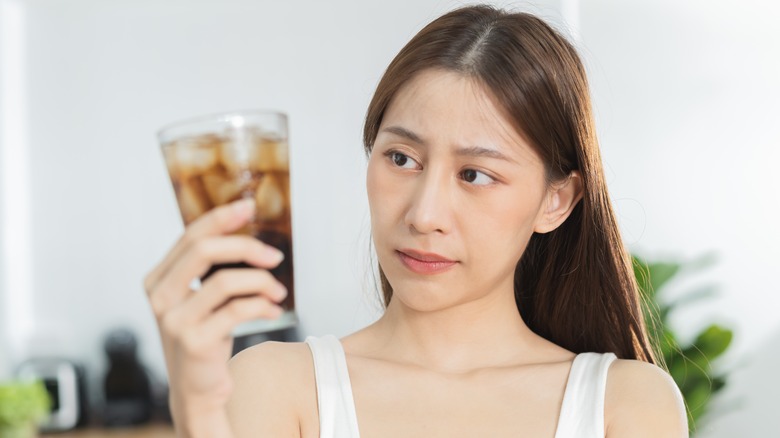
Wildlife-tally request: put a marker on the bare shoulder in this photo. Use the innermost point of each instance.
(642, 400)
(273, 386)
(270, 356)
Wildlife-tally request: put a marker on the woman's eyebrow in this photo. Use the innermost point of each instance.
(405, 133)
(470, 151)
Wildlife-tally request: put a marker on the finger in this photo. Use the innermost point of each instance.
(220, 220)
(221, 324)
(173, 287)
(226, 286)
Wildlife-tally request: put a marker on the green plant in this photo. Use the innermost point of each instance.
(22, 404)
(689, 363)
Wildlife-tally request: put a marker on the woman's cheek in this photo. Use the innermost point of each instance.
(378, 186)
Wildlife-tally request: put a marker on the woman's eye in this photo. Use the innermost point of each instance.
(476, 177)
(471, 176)
(400, 160)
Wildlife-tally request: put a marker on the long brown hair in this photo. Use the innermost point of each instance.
(575, 285)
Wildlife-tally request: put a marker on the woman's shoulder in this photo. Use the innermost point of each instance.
(273, 389)
(277, 364)
(642, 398)
(272, 353)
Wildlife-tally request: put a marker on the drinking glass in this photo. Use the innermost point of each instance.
(217, 159)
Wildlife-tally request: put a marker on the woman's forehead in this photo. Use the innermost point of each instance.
(440, 107)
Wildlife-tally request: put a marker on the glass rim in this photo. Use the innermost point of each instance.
(219, 117)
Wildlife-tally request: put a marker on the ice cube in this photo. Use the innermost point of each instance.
(233, 157)
(282, 156)
(192, 202)
(192, 155)
(269, 199)
(270, 155)
(238, 151)
(222, 188)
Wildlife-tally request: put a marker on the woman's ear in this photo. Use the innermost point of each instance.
(560, 200)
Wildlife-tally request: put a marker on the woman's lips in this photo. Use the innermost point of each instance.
(422, 267)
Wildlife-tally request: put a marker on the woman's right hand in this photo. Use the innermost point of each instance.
(196, 326)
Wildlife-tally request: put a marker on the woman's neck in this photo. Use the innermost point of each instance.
(484, 333)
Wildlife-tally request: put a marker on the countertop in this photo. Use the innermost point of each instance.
(147, 431)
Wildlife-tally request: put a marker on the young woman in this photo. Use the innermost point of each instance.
(511, 308)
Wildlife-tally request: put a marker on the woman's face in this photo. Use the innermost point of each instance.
(449, 175)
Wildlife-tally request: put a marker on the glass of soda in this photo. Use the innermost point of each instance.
(221, 158)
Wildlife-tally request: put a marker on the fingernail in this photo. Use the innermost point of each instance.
(282, 293)
(245, 206)
(274, 254)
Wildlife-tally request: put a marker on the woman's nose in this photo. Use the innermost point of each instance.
(430, 202)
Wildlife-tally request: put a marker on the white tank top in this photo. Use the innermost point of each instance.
(582, 411)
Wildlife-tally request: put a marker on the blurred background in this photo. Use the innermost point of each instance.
(686, 98)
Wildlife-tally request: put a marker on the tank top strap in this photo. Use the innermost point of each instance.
(334, 390)
(582, 410)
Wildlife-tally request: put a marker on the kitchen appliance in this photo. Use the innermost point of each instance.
(66, 384)
(127, 385)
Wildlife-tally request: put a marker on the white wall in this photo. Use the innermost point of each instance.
(102, 77)
(687, 102)
(685, 97)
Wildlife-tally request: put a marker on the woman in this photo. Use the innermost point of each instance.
(509, 294)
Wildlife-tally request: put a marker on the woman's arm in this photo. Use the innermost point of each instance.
(195, 326)
(273, 385)
(642, 400)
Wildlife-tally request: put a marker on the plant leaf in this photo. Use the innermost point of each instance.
(713, 341)
(23, 402)
(718, 383)
(699, 294)
(661, 273)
